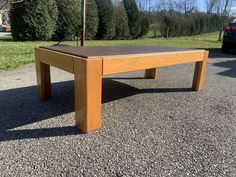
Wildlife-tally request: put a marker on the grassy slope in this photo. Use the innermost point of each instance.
(14, 54)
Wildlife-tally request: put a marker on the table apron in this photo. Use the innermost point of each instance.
(117, 65)
(57, 59)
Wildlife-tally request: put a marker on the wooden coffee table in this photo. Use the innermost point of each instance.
(89, 64)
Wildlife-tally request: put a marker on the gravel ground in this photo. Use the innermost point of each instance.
(149, 127)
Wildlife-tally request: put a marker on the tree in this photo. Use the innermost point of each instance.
(145, 24)
(106, 27)
(33, 20)
(224, 8)
(134, 18)
(187, 6)
(210, 5)
(122, 27)
(148, 5)
(92, 20)
(69, 19)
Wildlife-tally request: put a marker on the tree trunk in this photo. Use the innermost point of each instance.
(220, 33)
(1, 12)
(167, 32)
(155, 31)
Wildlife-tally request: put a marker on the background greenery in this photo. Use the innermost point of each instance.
(176, 24)
(61, 20)
(107, 24)
(122, 27)
(33, 20)
(69, 19)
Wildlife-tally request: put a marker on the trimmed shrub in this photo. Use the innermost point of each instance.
(134, 18)
(69, 19)
(92, 20)
(186, 25)
(106, 27)
(145, 24)
(122, 27)
(33, 19)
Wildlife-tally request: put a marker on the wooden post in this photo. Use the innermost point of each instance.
(83, 32)
(199, 73)
(150, 73)
(43, 78)
(88, 94)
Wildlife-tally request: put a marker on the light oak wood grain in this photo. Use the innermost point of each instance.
(150, 73)
(57, 59)
(114, 65)
(43, 78)
(88, 94)
(199, 73)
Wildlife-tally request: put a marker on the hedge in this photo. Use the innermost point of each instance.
(122, 26)
(33, 19)
(134, 18)
(174, 25)
(106, 27)
(92, 20)
(69, 19)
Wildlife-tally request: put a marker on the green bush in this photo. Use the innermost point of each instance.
(106, 27)
(122, 27)
(33, 19)
(145, 25)
(92, 20)
(187, 25)
(69, 19)
(134, 18)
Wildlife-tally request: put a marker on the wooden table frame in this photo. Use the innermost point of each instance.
(88, 76)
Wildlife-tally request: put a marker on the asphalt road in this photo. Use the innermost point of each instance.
(149, 127)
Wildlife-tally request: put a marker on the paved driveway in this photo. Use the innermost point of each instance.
(5, 34)
(150, 127)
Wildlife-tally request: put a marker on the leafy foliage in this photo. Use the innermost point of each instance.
(69, 19)
(92, 20)
(106, 27)
(145, 25)
(33, 20)
(122, 27)
(175, 25)
(134, 18)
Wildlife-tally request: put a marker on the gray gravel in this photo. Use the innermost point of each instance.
(149, 127)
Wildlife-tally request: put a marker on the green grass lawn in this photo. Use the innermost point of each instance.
(14, 54)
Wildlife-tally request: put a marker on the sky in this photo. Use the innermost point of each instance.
(202, 7)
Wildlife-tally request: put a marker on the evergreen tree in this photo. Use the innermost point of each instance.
(134, 18)
(122, 27)
(92, 20)
(33, 20)
(69, 19)
(144, 25)
(107, 25)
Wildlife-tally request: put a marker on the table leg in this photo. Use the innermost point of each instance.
(199, 73)
(150, 73)
(88, 94)
(43, 78)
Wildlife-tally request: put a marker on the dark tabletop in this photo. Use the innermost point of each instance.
(103, 51)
